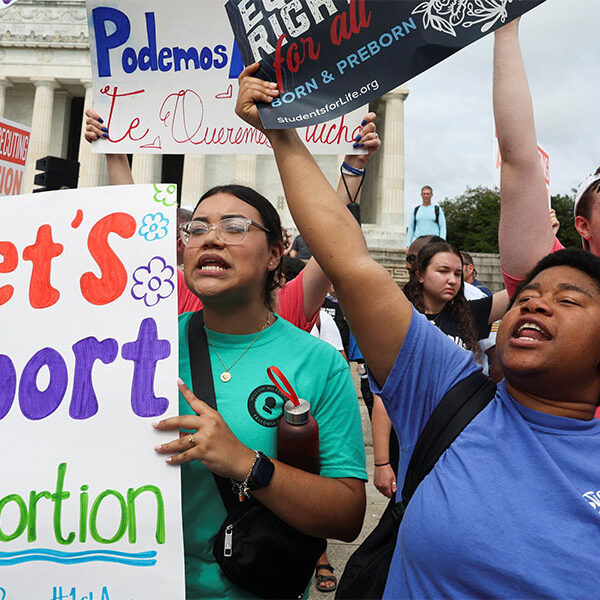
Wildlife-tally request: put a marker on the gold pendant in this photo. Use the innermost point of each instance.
(225, 376)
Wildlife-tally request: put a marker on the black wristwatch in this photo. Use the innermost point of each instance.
(262, 472)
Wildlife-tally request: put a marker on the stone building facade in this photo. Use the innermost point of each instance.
(45, 82)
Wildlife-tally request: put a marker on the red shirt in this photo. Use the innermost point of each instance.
(289, 301)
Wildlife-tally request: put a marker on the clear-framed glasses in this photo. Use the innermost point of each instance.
(232, 230)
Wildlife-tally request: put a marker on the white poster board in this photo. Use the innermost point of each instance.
(14, 144)
(165, 81)
(4, 4)
(88, 361)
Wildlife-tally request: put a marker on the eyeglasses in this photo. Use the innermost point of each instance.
(232, 230)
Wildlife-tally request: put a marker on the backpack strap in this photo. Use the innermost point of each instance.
(459, 406)
(204, 387)
(437, 215)
(415, 217)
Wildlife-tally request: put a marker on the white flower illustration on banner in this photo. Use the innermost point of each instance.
(153, 282)
(165, 194)
(446, 15)
(154, 227)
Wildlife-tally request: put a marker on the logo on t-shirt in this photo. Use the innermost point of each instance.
(265, 405)
(593, 499)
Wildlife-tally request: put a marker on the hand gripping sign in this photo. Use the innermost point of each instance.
(330, 56)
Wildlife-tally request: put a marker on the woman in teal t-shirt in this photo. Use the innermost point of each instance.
(233, 249)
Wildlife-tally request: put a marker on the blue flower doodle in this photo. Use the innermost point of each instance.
(153, 282)
(154, 227)
(166, 195)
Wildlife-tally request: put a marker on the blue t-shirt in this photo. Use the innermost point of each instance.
(511, 510)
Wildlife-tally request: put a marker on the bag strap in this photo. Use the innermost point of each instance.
(437, 215)
(415, 217)
(204, 387)
(459, 406)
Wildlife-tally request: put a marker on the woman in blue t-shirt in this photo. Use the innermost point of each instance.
(512, 508)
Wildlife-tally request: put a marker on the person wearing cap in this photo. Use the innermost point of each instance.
(526, 231)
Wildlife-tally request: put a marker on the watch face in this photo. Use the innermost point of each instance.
(261, 473)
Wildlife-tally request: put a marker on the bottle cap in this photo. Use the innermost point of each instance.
(297, 415)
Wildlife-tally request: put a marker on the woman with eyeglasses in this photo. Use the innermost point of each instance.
(232, 254)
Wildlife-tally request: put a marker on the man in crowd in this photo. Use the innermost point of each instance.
(426, 219)
(470, 273)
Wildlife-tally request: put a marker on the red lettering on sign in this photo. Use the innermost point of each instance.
(134, 124)
(359, 19)
(41, 292)
(111, 284)
(10, 259)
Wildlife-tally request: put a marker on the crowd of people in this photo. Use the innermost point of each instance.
(505, 512)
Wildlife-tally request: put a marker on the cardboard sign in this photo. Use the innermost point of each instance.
(165, 81)
(88, 361)
(14, 143)
(330, 56)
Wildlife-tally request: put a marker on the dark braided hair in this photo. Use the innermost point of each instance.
(458, 307)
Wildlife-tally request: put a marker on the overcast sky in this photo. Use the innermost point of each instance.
(448, 114)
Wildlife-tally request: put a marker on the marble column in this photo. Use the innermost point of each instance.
(4, 84)
(41, 127)
(147, 168)
(194, 169)
(91, 165)
(391, 206)
(245, 169)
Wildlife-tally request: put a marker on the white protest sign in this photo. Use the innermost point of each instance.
(5, 4)
(14, 144)
(88, 361)
(165, 81)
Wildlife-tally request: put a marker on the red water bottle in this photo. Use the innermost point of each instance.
(297, 432)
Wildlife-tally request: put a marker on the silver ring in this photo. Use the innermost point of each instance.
(192, 441)
(376, 134)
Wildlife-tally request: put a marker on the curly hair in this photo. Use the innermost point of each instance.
(457, 308)
(271, 221)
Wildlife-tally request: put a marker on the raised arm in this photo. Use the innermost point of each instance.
(335, 239)
(119, 171)
(315, 282)
(525, 234)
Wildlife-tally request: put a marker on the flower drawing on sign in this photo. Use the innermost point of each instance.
(153, 282)
(165, 194)
(446, 15)
(154, 227)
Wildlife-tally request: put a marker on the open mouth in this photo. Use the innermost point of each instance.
(531, 331)
(212, 264)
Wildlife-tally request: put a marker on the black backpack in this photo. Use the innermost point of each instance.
(437, 216)
(366, 571)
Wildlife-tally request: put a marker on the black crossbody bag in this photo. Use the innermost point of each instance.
(255, 549)
(366, 571)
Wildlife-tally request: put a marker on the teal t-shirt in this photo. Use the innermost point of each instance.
(251, 405)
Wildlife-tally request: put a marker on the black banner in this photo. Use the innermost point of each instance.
(332, 56)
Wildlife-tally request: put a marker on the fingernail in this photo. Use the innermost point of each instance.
(156, 424)
(158, 447)
(100, 120)
(272, 84)
(180, 381)
(355, 145)
(361, 145)
(105, 135)
(362, 124)
(357, 138)
(104, 129)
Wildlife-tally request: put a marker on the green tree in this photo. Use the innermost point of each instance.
(472, 219)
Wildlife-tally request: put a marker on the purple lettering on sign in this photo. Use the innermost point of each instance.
(145, 352)
(37, 404)
(8, 384)
(84, 403)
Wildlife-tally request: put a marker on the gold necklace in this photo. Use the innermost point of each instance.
(226, 375)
